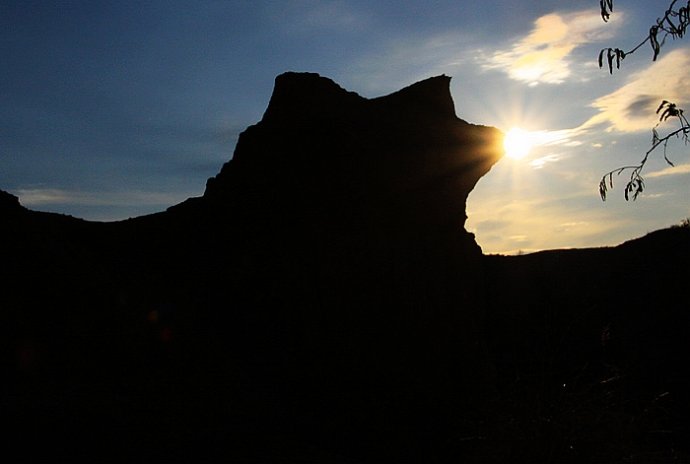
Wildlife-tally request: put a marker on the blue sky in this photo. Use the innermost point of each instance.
(115, 109)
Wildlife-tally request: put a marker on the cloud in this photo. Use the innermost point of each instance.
(543, 55)
(331, 14)
(543, 160)
(33, 197)
(543, 141)
(529, 224)
(306, 16)
(489, 225)
(566, 226)
(670, 171)
(632, 107)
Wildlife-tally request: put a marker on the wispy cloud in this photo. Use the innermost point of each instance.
(632, 107)
(670, 171)
(542, 143)
(306, 16)
(333, 13)
(544, 160)
(542, 56)
(37, 197)
(520, 229)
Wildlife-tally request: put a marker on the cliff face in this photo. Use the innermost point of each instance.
(350, 212)
(401, 165)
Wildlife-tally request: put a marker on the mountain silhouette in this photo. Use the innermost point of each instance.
(323, 302)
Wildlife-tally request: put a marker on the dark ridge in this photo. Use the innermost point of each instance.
(9, 203)
(428, 98)
(306, 97)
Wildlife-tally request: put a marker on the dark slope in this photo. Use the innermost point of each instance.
(589, 347)
(322, 298)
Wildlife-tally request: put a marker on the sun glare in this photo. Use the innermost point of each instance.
(517, 143)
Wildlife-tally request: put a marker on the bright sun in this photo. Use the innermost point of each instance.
(517, 143)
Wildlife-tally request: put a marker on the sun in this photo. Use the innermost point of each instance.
(518, 143)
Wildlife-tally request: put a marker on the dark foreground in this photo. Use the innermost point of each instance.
(322, 303)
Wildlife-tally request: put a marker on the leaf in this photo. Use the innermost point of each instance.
(603, 188)
(610, 59)
(640, 188)
(606, 7)
(669, 112)
(684, 16)
(619, 54)
(663, 103)
(611, 54)
(654, 42)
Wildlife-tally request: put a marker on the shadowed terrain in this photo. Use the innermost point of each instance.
(322, 302)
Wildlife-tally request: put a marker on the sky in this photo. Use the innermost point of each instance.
(110, 110)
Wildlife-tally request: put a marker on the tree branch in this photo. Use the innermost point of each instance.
(635, 184)
(674, 23)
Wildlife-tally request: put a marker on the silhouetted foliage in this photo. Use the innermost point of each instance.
(606, 9)
(674, 23)
(635, 184)
(611, 54)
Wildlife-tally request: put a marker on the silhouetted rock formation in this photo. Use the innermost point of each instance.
(323, 298)
(322, 155)
(9, 204)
